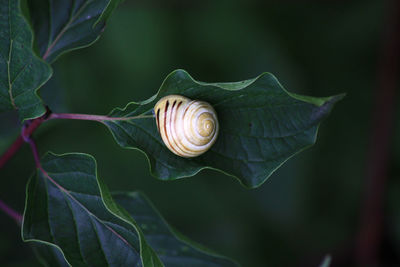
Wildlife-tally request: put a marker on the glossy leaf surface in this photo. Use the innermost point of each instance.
(61, 26)
(21, 72)
(261, 126)
(68, 206)
(171, 247)
(49, 255)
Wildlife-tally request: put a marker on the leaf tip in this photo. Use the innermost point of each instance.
(336, 98)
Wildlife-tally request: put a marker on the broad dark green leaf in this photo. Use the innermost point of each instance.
(69, 207)
(171, 247)
(261, 126)
(61, 26)
(49, 255)
(21, 72)
(112, 4)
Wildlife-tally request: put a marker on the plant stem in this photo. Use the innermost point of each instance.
(34, 152)
(27, 130)
(11, 151)
(98, 118)
(30, 126)
(38, 165)
(10, 212)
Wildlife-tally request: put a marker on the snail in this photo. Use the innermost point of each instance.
(187, 127)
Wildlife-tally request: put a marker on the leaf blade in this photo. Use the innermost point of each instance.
(64, 207)
(172, 247)
(68, 208)
(261, 127)
(49, 255)
(21, 72)
(63, 26)
(112, 5)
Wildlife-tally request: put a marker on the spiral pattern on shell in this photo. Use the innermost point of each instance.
(187, 127)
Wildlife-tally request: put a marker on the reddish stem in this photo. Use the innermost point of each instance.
(99, 118)
(11, 151)
(27, 130)
(10, 212)
(34, 152)
(32, 125)
(71, 116)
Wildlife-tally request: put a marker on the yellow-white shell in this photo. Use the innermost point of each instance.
(187, 127)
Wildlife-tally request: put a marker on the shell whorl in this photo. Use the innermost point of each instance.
(187, 127)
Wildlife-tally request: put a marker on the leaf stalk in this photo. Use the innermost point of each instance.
(99, 118)
(27, 130)
(11, 212)
(30, 126)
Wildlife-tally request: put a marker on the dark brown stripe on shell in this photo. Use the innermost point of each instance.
(173, 139)
(158, 120)
(165, 127)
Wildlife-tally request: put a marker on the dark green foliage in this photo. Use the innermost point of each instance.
(70, 212)
(21, 72)
(61, 26)
(261, 126)
(69, 207)
(49, 255)
(65, 208)
(172, 248)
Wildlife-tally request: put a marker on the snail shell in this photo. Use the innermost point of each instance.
(187, 127)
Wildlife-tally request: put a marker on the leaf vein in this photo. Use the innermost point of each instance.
(75, 227)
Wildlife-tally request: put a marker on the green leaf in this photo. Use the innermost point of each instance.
(112, 4)
(21, 72)
(261, 126)
(172, 248)
(62, 26)
(69, 207)
(49, 255)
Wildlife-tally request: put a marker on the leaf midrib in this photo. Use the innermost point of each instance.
(64, 29)
(160, 143)
(9, 57)
(260, 137)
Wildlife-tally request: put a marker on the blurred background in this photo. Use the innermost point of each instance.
(339, 197)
